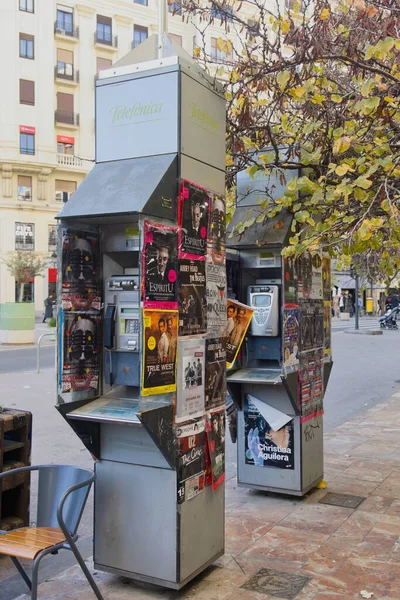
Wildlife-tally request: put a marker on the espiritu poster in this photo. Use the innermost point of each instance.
(159, 266)
(192, 297)
(81, 288)
(191, 375)
(216, 298)
(160, 330)
(268, 443)
(215, 373)
(193, 221)
(238, 320)
(81, 356)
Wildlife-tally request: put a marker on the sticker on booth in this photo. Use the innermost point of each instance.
(81, 352)
(216, 446)
(190, 379)
(268, 435)
(215, 373)
(81, 287)
(193, 221)
(160, 329)
(159, 266)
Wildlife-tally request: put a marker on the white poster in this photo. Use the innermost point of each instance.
(216, 299)
(190, 388)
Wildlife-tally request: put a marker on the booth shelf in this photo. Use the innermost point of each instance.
(15, 450)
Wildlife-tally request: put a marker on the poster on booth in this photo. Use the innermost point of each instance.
(192, 297)
(160, 330)
(217, 230)
(216, 446)
(291, 339)
(159, 266)
(290, 282)
(269, 435)
(216, 299)
(193, 221)
(81, 286)
(304, 276)
(327, 330)
(215, 373)
(326, 278)
(316, 278)
(190, 379)
(81, 355)
(311, 384)
(311, 324)
(191, 459)
(238, 320)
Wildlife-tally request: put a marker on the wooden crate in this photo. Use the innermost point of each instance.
(15, 451)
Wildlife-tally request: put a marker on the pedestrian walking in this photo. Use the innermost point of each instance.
(48, 308)
(341, 302)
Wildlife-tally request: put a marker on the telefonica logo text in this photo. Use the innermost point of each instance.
(202, 116)
(129, 113)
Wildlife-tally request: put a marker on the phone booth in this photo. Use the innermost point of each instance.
(141, 365)
(279, 376)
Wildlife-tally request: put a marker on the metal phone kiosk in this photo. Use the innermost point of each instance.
(132, 307)
(279, 379)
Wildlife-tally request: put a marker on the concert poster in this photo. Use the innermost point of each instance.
(304, 276)
(290, 339)
(160, 329)
(216, 298)
(159, 266)
(311, 384)
(264, 445)
(193, 221)
(311, 324)
(327, 329)
(217, 230)
(215, 425)
(81, 286)
(192, 297)
(191, 459)
(290, 282)
(215, 373)
(81, 352)
(238, 320)
(190, 379)
(326, 278)
(316, 278)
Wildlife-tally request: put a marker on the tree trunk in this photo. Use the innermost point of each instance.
(21, 292)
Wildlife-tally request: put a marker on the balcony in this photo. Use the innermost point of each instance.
(66, 118)
(68, 160)
(106, 40)
(71, 33)
(67, 73)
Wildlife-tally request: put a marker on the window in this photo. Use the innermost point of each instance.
(143, 2)
(176, 38)
(64, 190)
(104, 30)
(27, 5)
(26, 92)
(65, 108)
(24, 188)
(175, 7)
(24, 236)
(65, 19)
(219, 55)
(139, 35)
(65, 63)
(103, 63)
(65, 145)
(221, 12)
(26, 46)
(29, 292)
(26, 143)
(52, 238)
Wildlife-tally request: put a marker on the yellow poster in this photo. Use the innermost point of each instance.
(238, 320)
(159, 351)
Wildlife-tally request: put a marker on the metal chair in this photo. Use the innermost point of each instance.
(62, 495)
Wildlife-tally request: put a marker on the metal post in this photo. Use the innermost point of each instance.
(162, 26)
(356, 307)
(38, 350)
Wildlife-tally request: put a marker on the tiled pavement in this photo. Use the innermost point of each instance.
(342, 551)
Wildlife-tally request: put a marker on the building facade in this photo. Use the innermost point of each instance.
(52, 53)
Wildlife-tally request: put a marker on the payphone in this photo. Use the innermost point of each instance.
(264, 299)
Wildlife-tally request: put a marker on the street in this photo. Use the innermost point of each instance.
(365, 373)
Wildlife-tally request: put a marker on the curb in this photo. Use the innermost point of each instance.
(364, 331)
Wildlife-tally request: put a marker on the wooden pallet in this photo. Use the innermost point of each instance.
(15, 451)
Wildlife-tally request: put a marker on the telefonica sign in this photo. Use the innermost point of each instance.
(203, 119)
(129, 115)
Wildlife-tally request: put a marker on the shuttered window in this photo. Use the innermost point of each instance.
(64, 190)
(24, 188)
(103, 63)
(26, 92)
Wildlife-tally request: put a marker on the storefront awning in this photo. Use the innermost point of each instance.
(270, 232)
(127, 187)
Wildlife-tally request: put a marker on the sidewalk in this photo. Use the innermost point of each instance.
(40, 328)
(333, 552)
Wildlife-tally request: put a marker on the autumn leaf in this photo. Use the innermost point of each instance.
(325, 14)
(341, 145)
